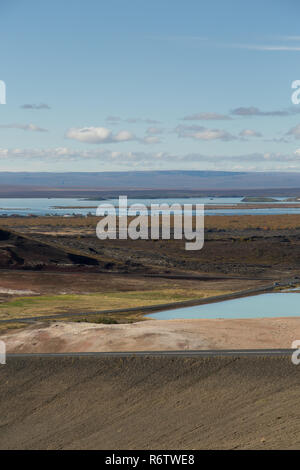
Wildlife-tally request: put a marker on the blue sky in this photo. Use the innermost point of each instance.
(160, 84)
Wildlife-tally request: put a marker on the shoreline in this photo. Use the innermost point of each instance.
(154, 308)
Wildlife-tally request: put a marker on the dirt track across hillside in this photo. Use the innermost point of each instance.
(150, 403)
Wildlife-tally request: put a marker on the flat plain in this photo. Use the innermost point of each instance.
(57, 266)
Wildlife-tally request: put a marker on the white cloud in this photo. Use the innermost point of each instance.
(213, 134)
(123, 136)
(253, 111)
(106, 155)
(249, 133)
(265, 47)
(154, 130)
(151, 139)
(202, 133)
(103, 158)
(207, 117)
(24, 127)
(295, 132)
(98, 135)
(51, 154)
(134, 120)
(36, 106)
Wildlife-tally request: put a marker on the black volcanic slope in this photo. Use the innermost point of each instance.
(18, 251)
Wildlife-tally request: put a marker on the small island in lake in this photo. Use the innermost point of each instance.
(259, 199)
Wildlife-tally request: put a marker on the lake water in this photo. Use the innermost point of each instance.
(258, 306)
(44, 206)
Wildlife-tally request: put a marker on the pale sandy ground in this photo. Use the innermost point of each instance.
(3, 290)
(155, 335)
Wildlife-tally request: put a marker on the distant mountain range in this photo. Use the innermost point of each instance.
(153, 180)
(89, 183)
